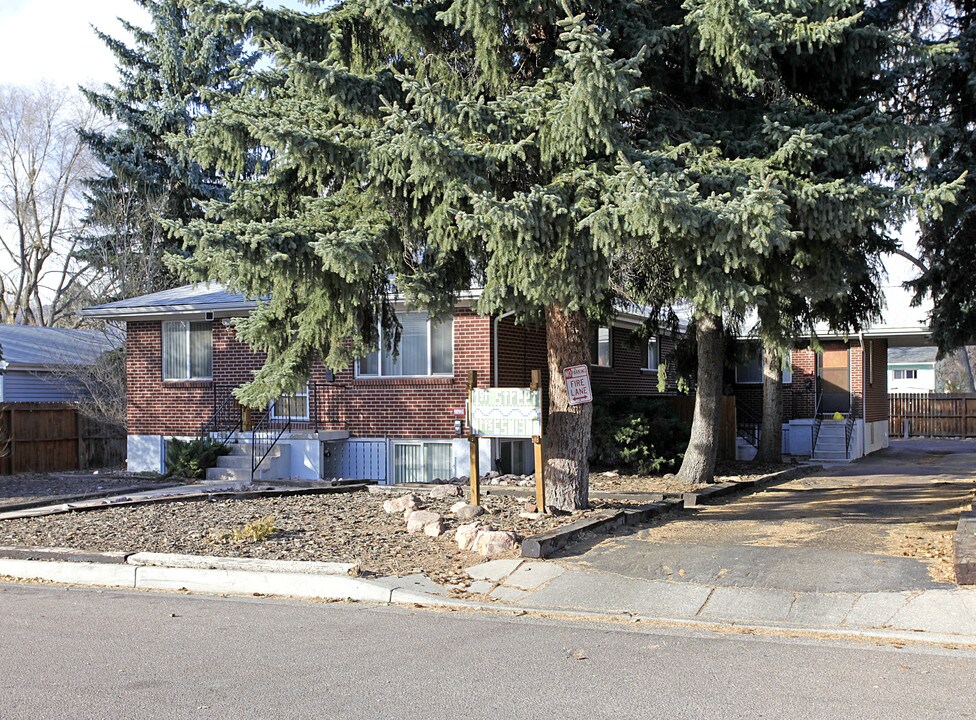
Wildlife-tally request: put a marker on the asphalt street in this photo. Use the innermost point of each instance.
(81, 653)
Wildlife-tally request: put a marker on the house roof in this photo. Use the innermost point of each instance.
(212, 297)
(911, 355)
(31, 346)
(188, 299)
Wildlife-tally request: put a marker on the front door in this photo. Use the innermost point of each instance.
(835, 379)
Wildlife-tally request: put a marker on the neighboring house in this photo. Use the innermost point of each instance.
(911, 369)
(38, 362)
(847, 376)
(388, 419)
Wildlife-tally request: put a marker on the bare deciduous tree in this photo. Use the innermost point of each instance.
(42, 164)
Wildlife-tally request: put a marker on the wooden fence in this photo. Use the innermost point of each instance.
(684, 409)
(47, 437)
(932, 414)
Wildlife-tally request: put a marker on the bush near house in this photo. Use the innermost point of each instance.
(191, 458)
(637, 434)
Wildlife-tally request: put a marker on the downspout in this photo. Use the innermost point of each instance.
(864, 393)
(494, 345)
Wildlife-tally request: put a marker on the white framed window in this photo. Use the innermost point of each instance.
(426, 348)
(750, 370)
(601, 347)
(905, 374)
(291, 406)
(187, 350)
(421, 462)
(653, 355)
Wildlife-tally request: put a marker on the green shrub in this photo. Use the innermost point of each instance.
(638, 434)
(191, 458)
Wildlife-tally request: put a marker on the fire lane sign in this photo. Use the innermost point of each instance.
(577, 379)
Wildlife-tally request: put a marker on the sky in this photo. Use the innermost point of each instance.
(53, 40)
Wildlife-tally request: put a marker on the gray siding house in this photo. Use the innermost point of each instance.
(37, 361)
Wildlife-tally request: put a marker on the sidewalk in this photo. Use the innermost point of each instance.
(555, 587)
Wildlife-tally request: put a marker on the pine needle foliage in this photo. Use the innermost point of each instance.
(554, 153)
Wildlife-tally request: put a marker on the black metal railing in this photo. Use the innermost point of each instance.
(748, 425)
(815, 428)
(265, 434)
(225, 421)
(848, 433)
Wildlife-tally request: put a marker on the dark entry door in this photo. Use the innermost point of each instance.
(835, 379)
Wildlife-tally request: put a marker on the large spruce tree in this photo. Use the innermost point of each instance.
(417, 149)
(163, 78)
(786, 150)
(945, 96)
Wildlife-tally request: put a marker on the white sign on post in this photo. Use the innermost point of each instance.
(577, 380)
(506, 412)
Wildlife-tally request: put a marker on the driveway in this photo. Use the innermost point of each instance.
(881, 524)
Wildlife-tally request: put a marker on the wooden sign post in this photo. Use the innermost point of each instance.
(474, 473)
(540, 488)
(506, 413)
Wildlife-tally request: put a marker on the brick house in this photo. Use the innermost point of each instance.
(847, 375)
(388, 419)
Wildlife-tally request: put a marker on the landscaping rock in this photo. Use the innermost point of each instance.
(466, 534)
(402, 503)
(469, 512)
(436, 528)
(530, 507)
(532, 515)
(458, 505)
(420, 519)
(489, 543)
(442, 492)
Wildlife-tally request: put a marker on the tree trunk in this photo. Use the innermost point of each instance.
(698, 465)
(567, 470)
(771, 438)
(967, 369)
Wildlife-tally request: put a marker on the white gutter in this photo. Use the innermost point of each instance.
(494, 344)
(864, 396)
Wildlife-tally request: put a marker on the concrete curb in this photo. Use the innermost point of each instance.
(545, 544)
(340, 587)
(219, 581)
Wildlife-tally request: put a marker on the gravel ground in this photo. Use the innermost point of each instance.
(28, 487)
(347, 527)
(726, 471)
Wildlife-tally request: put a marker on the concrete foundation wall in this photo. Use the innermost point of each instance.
(145, 453)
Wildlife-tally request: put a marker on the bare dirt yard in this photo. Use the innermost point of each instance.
(725, 471)
(31, 487)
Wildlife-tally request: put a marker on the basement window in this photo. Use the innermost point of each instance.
(421, 462)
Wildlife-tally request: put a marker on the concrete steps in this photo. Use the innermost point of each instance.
(236, 466)
(832, 442)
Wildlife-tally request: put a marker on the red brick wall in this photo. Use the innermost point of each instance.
(876, 379)
(522, 348)
(799, 402)
(176, 407)
(626, 375)
(393, 407)
(418, 407)
(857, 379)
